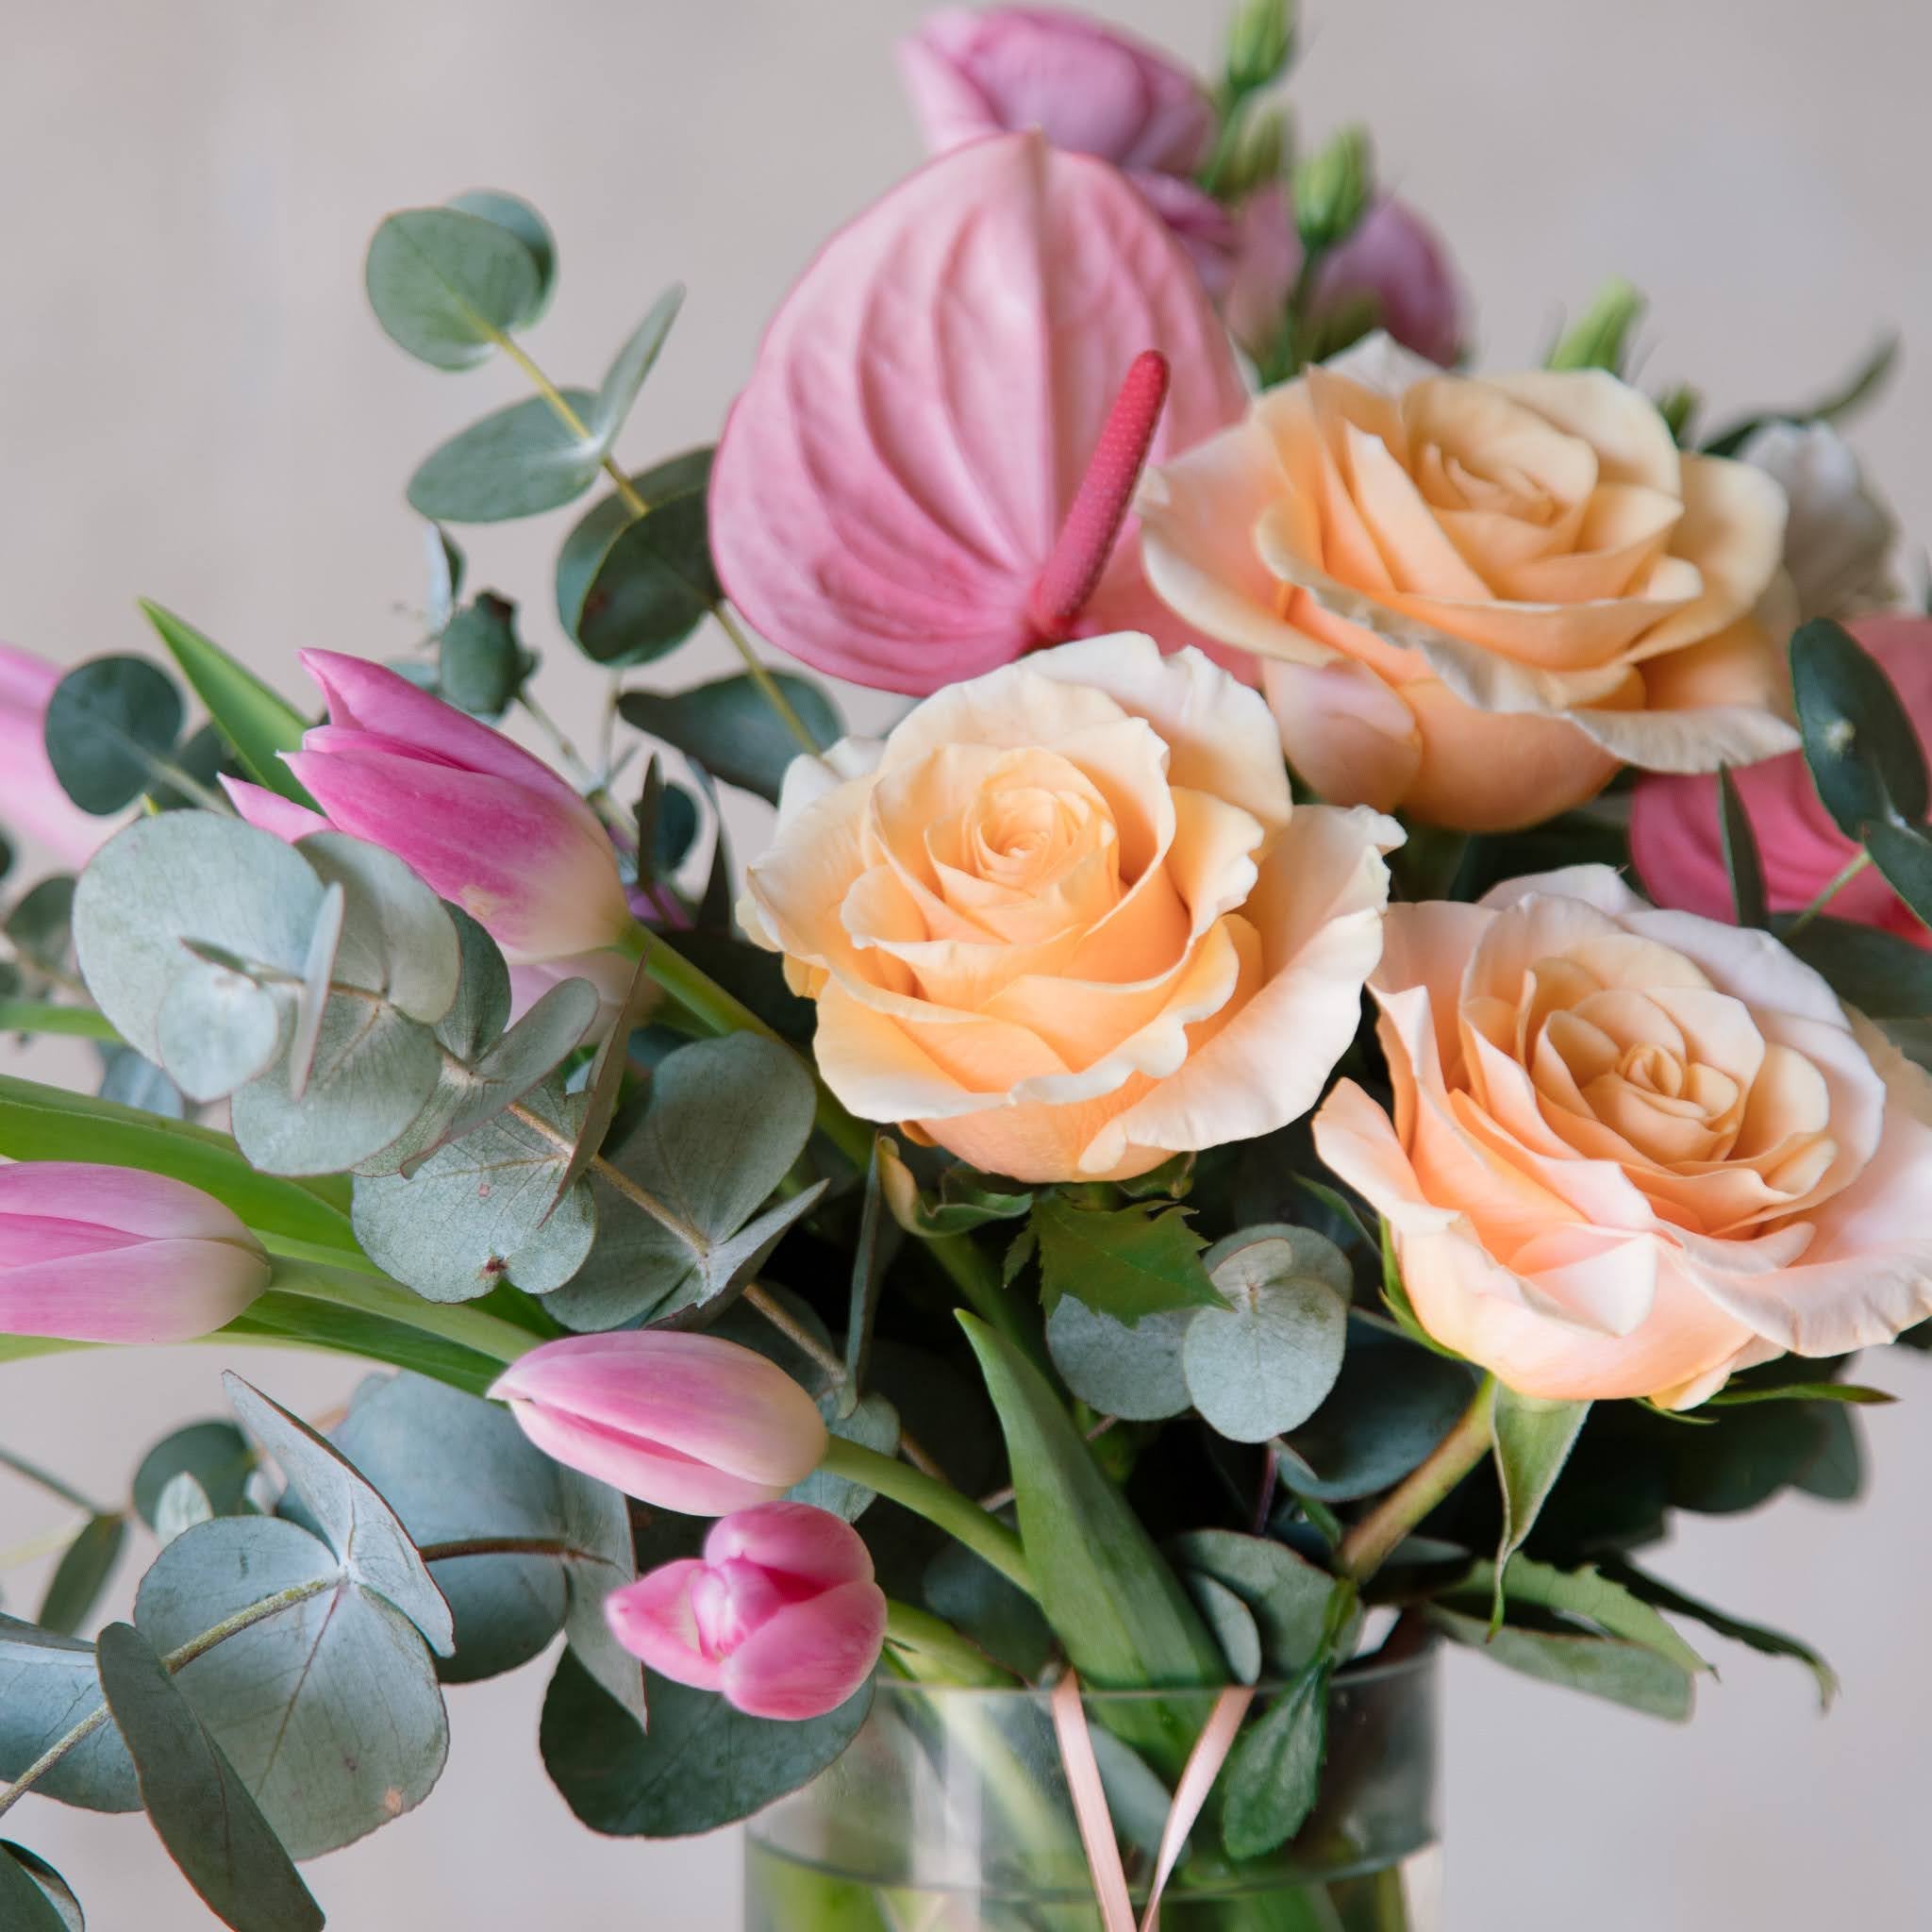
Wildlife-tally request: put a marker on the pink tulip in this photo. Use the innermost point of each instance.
(32, 800)
(1393, 260)
(112, 1254)
(780, 1615)
(475, 817)
(958, 371)
(687, 1422)
(1090, 90)
(1675, 836)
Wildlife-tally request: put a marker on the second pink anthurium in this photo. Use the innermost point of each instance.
(928, 473)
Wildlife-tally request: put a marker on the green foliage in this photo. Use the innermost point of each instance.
(1587, 1596)
(518, 461)
(1134, 1373)
(522, 220)
(1600, 337)
(630, 587)
(1860, 741)
(728, 728)
(1882, 974)
(1531, 1440)
(1627, 1674)
(39, 925)
(1275, 1773)
(962, 1201)
(203, 1813)
(257, 723)
(110, 725)
(1864, 382)
(480, 661)
(1288, 1598)
(1141, 1260)
(448, 283)
(48, 1684)
(216, 1453)
(632, 364)
(84, 1572)
(33, 1896)
(1742, 865)
(701, 1765)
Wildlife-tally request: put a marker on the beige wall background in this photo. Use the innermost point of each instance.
(195, 406)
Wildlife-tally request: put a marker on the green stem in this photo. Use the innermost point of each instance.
(174, 1661)
(1854, 866)
(1368, 1544)
(929, 1650)
(46, 1479)
(346, 1287)
(941, 1506)
(45, 1016)
(768, 684)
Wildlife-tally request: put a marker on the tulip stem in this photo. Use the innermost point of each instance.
(945, 1507)
(1370, 1542)
(1854, 866)
(484, 1335)
(45, 1016)
(929, 1650)
(174, 1661)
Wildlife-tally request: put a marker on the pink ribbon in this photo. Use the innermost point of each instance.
(1096, 1823)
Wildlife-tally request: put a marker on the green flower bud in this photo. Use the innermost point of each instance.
(1261, 43)
(1332, 188)
(1255, 156)
(1596, 339)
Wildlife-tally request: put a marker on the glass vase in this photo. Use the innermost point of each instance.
(951, 1813)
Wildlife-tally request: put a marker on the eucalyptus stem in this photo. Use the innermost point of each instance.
(1853, 867)
(945, 1507)
(768, 684)
(1370, 1542)
(47, 1480)
(174, 1661)
(929, 1650)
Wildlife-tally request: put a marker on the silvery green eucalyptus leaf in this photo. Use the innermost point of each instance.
(397, 938)
(518, 461)
(33, 1896)
(48, 1684)
(217, 1029)
(181, 876)
(109, 725)
(1133, 1372)
(632, 364)
(513, 212)
(311, 996)
(448, 283)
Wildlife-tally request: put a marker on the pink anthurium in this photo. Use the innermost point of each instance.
(780, 1615)
(928, 473)
(114, 1254)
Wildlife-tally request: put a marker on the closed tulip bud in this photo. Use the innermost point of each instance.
(113, 1254)
(1261, 43)
(475, 817)
(687, 1422)
(1332, 188)
(781, 1616)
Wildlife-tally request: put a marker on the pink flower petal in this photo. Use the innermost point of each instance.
(811, 1545)
(123, 1200)
(652, 1617)
(153, 1292)
(808, 1658)
(269, 811)
(892, 479)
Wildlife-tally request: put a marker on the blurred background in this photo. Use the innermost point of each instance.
(197, 406)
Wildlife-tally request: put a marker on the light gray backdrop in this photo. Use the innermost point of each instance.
(195, 406)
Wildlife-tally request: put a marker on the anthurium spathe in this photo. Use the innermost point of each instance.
(113, 1254)
(898, 496)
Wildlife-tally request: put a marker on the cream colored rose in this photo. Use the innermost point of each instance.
(1633, 1150)
(1063, 921)
(1474, 598)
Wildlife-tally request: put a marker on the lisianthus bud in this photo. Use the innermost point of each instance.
(780, 1615)
(1331, 189)
(1599, 336)
(113, 1254)
(1261, 43)
(475, 817)
(688, 1422)
(1257, 153)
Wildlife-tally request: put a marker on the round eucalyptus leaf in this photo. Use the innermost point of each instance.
(105, 723)
(630, 587)
(311, 996)
(1232, 1623)
(47, 1684)
(216, 1453)
(446, 283)
(39, 925)
(63, 1912)
(135, 1082)
(513, 212)
(217, 1030)
(1264, 1363)
(397, 938)
(1254, 1255)
(180, 1506)
(375, 1072)
(181, 876)
(518, 462)
(480, 664)
(730, 729)
(328, 1708)
(1133, 1372)
(482, 1006)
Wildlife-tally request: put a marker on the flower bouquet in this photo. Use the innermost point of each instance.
(1356, 1045)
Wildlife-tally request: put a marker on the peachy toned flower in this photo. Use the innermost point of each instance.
(1633, 1150)
(927, 474)
(1477, 597)
(1679, 847)
(1063, 921)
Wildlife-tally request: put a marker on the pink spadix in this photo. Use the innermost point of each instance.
(1100, 505)
(780, 1615)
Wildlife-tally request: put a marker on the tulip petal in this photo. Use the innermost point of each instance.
(653, 1620)
(157, 1291)
(269, 811)
(809, 1658)
(127, 1200)
(804, 1543)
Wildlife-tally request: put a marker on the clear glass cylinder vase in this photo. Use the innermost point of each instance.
(951, 1813)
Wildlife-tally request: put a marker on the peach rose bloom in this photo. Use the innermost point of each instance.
(1474, 599)
(1064, 921)
(1632, 1149)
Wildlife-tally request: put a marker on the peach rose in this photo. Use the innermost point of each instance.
(1063, 921)
(1634, 1150)
(1474, 598)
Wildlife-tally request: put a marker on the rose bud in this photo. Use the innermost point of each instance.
(687, 1422)
(113, 1254)
(780, 1615)
(32, 800)
(475, 817)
